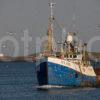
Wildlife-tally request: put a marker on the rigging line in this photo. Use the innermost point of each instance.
(57, 27)
(58, 31)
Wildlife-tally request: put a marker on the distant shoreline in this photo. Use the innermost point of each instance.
(33, 57)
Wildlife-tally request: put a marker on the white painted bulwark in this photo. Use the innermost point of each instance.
(89, 71)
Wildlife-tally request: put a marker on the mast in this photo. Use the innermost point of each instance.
(50, 29)
(51, 10)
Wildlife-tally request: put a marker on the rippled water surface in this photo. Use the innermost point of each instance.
(18, 82)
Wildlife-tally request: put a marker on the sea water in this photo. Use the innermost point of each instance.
(18, 82)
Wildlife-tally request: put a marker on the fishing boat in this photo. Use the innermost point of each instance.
(71, 67)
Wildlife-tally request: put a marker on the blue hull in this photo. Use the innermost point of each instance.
(54, 74)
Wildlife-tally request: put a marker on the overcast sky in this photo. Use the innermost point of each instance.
(17, 15)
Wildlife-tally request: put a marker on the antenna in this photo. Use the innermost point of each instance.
(74, 18)
(51, 9)
(73, 26)
(63, 33)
